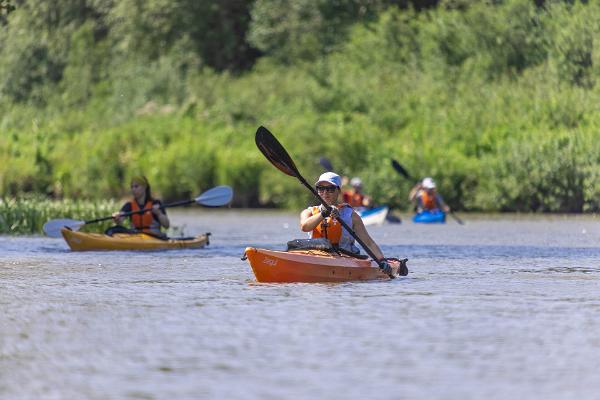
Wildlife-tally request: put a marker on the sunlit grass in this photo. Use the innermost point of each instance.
(26, 216)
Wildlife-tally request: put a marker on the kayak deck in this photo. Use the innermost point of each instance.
(430, 217)
(312, 266)
(82, 241)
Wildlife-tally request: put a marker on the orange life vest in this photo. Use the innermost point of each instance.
(142, 222)
(330, 228)
(354, 199)
(428, 201)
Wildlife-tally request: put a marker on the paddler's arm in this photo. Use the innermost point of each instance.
(442, 203)
(118, 216)
(412, 196)
(160, 215)
(361, 232)
(308, 221)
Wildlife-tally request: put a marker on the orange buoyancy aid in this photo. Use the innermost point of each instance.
(354, 199)
(143, 222)
(428, 202)
(330, 228)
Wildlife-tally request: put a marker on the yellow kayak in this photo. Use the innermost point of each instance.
(80, 241)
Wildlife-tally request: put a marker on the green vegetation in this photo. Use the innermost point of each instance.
(497, 100)
(28, 215)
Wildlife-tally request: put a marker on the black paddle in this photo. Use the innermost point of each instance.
(215, 197)
(278, 156)
(402, 171)
(325, 163)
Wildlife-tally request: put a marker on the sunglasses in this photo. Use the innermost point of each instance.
(328, 189)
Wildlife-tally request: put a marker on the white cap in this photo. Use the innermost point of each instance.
(428, 183)
(356, 181)
(330, 177)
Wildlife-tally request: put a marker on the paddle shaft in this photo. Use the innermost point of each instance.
(127, 214)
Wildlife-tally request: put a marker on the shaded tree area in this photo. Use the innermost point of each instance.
(39, 37)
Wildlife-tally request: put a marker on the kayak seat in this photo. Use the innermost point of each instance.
(121, 229)
(118, 229)
(310, 244)
(323, 245)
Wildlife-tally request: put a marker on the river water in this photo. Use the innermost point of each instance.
(504, 307)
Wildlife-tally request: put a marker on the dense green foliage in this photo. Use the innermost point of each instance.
(495, 99)
(28, 215)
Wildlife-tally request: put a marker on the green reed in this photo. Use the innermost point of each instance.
(22, 216)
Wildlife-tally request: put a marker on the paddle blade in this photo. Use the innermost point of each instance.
(325, 163)
(400, 169)
(215, 197)
(460, 221)
(274, 152)
(52, 228)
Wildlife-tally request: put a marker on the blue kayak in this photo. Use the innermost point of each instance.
(430, 217)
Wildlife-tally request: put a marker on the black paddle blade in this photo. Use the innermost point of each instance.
(274, 151)
(400, 169)
(325, 163)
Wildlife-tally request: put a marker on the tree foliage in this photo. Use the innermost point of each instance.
(496, 99)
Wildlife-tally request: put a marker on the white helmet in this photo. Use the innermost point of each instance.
(356, 181)
(428, 183)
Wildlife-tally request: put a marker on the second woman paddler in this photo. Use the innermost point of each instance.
(323, 224)
(150, 221)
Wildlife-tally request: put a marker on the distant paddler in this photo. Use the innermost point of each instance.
(355, 197)
(150, 221)
(430, 205)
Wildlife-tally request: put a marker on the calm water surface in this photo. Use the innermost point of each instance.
(501, 308)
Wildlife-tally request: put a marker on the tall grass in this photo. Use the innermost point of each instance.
(26, 216)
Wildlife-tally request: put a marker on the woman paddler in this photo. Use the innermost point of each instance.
(321, 223)
(150, 221)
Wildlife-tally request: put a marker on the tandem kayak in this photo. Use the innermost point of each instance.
(430, 217)
(373, 216)
(81, 241)
(314, 266)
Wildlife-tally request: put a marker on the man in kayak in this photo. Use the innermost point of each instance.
(325, 224)
(150, 221)
(355, 197)
(427, 198)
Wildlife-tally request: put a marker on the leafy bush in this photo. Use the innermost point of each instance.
(495, 100)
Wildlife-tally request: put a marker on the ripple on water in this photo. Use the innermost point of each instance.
(492, 309)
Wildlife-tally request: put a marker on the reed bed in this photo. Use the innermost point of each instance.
(26, 216)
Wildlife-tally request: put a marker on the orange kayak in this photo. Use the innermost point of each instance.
(81, 241)
(313, 266)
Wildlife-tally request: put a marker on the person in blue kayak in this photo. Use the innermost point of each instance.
(148, 222)
(320, 223)
(427, 198)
